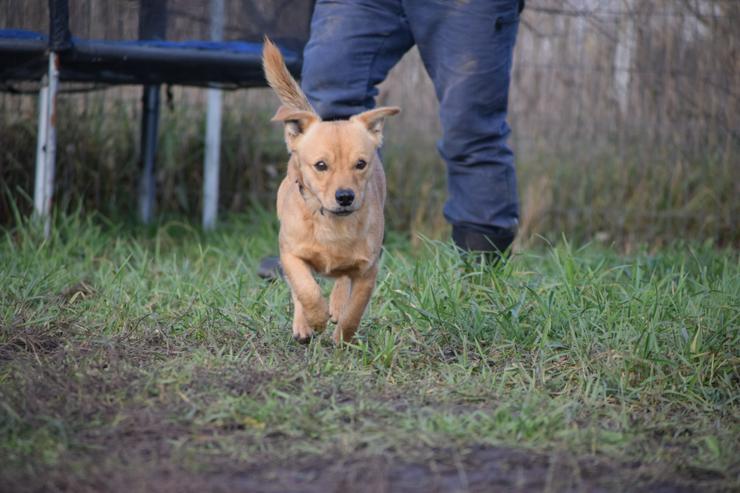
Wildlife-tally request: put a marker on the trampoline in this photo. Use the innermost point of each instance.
(155, 42)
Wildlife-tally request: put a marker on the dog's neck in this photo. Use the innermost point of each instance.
(310, 199)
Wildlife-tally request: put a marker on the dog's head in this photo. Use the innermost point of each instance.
(333, 160)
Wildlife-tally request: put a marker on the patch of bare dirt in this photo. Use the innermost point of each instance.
(483, 469)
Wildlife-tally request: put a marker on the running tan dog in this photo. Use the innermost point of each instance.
(330, 206)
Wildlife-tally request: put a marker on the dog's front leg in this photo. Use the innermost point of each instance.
(301, 329)
(311, 310)
(349, 320)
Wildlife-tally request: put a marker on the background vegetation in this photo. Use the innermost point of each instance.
(624, 115)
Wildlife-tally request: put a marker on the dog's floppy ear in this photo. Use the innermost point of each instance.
(373, 120)
(296, 123)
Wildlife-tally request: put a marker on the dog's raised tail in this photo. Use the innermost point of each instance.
(280, 80)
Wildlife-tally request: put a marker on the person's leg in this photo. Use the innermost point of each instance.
(467, 48)
(353, 45)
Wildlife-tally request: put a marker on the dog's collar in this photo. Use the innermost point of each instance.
(302, 191)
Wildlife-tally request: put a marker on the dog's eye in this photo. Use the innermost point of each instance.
(361, 164)
(321, 166)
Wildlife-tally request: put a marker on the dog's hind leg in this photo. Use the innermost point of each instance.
(339, 297)
(360, 291)
(309, 303)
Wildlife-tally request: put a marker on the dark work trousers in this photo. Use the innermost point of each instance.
(467, 49)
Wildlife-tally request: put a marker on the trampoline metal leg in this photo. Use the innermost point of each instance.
(213, 130)
(46, 145)
(149, 124)
(40, 178)
(211, 161)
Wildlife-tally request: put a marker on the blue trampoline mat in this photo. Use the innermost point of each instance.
(21, 34)
(232, 46)
(227, 46)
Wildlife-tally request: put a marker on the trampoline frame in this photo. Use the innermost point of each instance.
(150, 62)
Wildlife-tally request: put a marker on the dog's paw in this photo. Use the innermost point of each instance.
(302, 333)
(318, 317)
(335, 311)
(303, 339)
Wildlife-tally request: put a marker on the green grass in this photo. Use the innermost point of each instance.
(140, 349)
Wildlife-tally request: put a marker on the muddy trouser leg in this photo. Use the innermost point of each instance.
(467, 48)
(353, 46)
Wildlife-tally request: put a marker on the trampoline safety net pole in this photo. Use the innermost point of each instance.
(213, 131)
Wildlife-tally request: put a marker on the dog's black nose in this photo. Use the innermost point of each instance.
(345, 196)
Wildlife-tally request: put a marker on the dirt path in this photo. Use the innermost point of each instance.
(482, 469)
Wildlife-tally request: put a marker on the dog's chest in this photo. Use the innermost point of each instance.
(340, 259)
